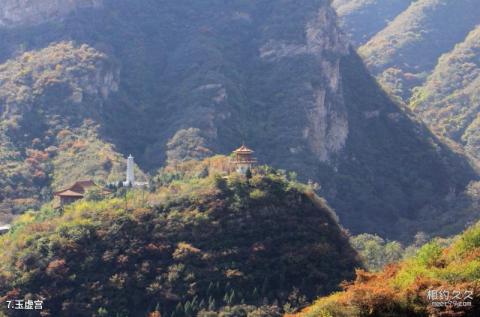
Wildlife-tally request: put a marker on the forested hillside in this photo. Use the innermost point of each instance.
(167, 80)
(427, 58)
(410, 288)
(200, 242)
(406, 51)
(449, 101)
(51, 102)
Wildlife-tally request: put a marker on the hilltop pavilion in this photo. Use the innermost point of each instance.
(243, 159)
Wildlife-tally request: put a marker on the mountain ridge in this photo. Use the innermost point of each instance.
(413, 57)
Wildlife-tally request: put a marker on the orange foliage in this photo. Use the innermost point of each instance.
(66, 145)
(39, 174)
(370, 292)
(57, 267)
(41, 227)
(63, 134)
(79, 145)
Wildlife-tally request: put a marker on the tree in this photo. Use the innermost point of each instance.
(93, 194)
(248, 174)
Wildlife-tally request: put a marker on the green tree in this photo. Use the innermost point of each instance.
(94, 194)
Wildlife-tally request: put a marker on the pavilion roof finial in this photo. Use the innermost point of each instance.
(243, 150)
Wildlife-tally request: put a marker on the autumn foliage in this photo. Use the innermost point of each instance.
(414, 286)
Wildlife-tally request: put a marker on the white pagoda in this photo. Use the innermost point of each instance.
(130, 180)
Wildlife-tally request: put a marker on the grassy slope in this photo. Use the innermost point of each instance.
(407, 58)
(402, 289)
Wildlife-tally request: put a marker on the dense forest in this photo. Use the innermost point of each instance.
(205, 241)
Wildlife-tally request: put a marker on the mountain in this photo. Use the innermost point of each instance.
(362, 19)
(427, 59)
(200, 241)
(437, 273)
(449, 101)
(406, 51)
(46, 140)
(169, 80)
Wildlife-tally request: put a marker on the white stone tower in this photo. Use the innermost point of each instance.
(130, 173)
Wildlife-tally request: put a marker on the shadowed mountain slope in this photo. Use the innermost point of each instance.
(407, 50)
(362, 19)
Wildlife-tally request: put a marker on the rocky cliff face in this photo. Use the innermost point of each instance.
(326, 124)
(28, 12)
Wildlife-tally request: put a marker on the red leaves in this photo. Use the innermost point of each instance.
(57, 267)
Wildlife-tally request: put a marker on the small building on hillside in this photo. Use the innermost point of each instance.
(77, 191)
(4, 229)
(243, 159)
